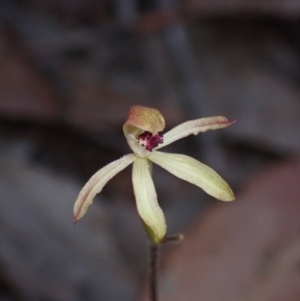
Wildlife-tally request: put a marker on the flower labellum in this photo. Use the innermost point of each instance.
(150, 141)
(143, 132)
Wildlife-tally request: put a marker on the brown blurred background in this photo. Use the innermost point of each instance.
(69, 72)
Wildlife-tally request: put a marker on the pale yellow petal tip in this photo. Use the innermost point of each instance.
(146, 119)
(213, 123)
(230, 122)
(75, 219)
(78, 212)
(156, 236)
(81, 204)
(227, 196)
(231, 198)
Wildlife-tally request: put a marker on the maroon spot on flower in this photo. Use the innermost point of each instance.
(150, 141)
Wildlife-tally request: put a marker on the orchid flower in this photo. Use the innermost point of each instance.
(143, 131)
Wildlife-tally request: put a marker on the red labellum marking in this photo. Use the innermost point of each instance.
(150, 141)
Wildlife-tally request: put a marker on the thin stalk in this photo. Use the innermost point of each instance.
(154, 256)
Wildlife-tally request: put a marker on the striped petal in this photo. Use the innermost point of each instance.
(195, 172)
(194, 127)
(97, 182)
(143, 119)
(146, 200)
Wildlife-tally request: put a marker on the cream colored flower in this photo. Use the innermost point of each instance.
(143, 131)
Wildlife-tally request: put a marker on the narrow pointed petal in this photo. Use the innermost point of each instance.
(194, 127)
(146, 200)
(195, 172)
(97, 182)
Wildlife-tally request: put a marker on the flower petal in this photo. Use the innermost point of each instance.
(97, 182)
(144, 119)
(195, 172)
(138, 149)
(194, 127)
(146, 200)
